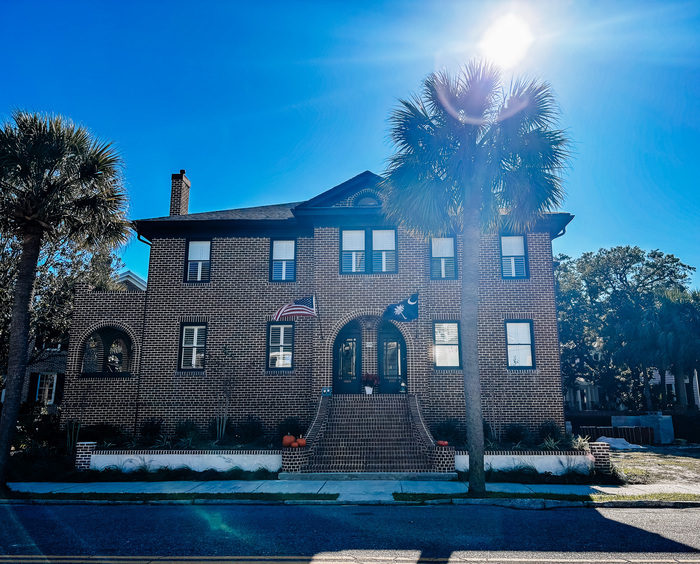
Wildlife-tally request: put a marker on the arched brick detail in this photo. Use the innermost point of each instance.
(75, 361)
(411, 363)
(367, 192)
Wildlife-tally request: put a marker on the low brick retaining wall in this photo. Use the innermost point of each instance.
(87, 457)
(554, 462)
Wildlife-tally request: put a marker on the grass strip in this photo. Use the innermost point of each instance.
(422, 497)
(190, 496)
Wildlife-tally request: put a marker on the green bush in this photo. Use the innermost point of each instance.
(549, 430)
(449, 430)
(151, 430)
(687, 426)
(289, 426)
(103, 434)
(186, 429)
(250, 429)
(515, 434)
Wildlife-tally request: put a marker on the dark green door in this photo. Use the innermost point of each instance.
(347, 360)
(391, 358)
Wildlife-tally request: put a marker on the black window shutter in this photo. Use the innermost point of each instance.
(60, 382)
(33, 384)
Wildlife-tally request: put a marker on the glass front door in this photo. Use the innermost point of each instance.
(391, 358)
(347, 361)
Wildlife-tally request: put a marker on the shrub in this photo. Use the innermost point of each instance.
(103, 434)
(488, 431)
(449, 430)
(549, 430)
(515, 433)
(250, 429)
(186, 429)
(289, 426)
(687, 426)
(151, 429)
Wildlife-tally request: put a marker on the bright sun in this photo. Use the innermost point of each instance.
(506, 41)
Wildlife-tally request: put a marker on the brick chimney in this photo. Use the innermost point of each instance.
(180, 194)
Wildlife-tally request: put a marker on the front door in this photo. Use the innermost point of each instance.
(347, 360)
(391, 358)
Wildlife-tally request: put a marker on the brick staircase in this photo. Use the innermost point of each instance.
(370, 433)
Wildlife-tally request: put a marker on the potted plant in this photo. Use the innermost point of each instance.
(370, 382)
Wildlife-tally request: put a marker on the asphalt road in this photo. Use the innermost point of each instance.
(346, 533)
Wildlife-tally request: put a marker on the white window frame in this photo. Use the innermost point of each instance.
(198, 346)
(437, 345)
(52, 397)
(199, 261)
(285, 261)
(514, 265)
(442, 259)
(286, 329)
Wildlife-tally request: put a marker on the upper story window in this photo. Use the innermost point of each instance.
(283, 263)
(513, 257)
(46, 388)
(367, 201)
(368, 251)
(192, 347)
(198, 261)
(442, 258)
(447, 353)
(520, 344)
(280, 346)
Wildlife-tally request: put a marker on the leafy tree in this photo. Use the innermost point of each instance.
(57, 182)
(610, 303)
(61, 267)
(465, 150)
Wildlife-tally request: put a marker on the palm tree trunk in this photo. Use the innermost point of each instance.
(19, 335)
(471, 236)
(681, 392)
(647, 388)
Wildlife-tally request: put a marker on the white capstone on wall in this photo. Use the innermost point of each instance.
(557, 464)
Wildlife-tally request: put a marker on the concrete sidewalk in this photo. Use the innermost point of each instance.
(350, 491)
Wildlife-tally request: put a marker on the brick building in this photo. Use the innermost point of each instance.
(203, 337)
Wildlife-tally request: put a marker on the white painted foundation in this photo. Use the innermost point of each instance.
(557, 464)
(130, 461)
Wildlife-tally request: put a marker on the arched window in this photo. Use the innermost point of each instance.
(107, 351)
(367, 200)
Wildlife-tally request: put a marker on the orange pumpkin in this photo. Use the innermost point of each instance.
(288, 440)
(301, 442)
(295, 444)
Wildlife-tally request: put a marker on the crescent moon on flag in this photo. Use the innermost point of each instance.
(412, 303)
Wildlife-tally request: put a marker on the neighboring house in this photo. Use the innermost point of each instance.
(45, 375)
(203, 334)
(584, 396)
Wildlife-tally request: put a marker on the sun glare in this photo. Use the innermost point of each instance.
(507, 41)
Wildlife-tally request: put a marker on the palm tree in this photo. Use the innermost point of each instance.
(56, 181)
(466, 150)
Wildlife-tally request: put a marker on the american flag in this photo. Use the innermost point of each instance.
(305, 307)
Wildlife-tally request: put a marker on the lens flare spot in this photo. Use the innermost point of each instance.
(507, 41)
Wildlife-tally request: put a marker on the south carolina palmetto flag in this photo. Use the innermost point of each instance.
(305, 307)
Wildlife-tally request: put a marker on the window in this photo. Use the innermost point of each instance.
(198, 261)
(378, 244)
(280, 346)
(283, 264)
(442, 258)
(447, 353)
(192, 346)
(513, 257)
(520, 345)
(46, 389)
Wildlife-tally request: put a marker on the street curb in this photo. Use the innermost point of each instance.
(515, 503)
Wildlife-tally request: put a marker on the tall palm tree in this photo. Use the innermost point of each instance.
(56, 180)
(466, 149)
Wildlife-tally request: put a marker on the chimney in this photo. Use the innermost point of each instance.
(180, 194)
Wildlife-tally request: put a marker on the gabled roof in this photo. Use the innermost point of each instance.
(363, 181)
(132, 281)
(297, 215)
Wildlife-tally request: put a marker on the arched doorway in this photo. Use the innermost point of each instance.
(372, 350)
(347, 360)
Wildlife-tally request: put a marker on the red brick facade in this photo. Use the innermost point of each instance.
(239, 301)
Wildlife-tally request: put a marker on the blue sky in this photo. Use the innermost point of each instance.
(270, 102)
